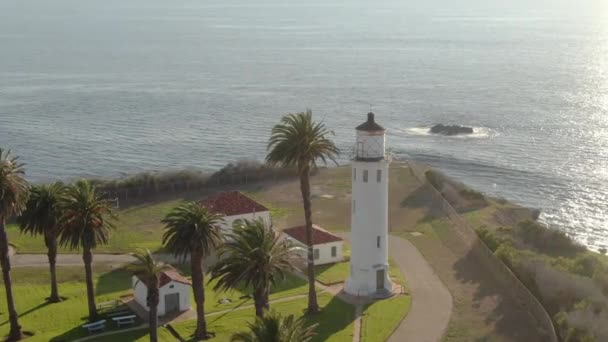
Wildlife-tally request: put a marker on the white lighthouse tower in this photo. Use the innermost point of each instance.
(369, 224)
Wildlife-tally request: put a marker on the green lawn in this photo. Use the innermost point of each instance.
(381, 317)
(61, 321)
(291, 286)
(30, 286)
(335, 322)
(332, 273)
(136, 227)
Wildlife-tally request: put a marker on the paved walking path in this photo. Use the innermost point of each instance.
(41, 260)
(431, 308)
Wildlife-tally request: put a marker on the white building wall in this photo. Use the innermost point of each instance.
(184, 290)
(369, 227)
(324, 251)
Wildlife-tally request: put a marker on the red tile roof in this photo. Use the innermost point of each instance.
(168, 276)
(319, 235)
(232, 203)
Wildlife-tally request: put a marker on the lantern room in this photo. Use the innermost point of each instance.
(370, 140)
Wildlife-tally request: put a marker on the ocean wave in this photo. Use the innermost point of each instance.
(478, 133)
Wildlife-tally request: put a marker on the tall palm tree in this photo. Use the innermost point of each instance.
(41, 217)
(253, 256)
(274, 328)
(86, 223)
(299, 141)
(148, 270)
(14, 191)
(191, 230)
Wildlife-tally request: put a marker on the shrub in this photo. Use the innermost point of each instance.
(547, 240)
(435, 179)
(491, 239)
(586, 265)
(472, 195)
(603, 251)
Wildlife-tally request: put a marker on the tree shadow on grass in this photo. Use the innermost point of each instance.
(80, 332)
(334, 317)
(21, 314)
(508, 315)
(114, 281)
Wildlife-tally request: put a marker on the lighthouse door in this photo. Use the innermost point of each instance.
(380, 280)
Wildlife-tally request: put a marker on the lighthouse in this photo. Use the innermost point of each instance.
(369, 213)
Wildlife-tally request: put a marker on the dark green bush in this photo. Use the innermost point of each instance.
(491, 239)
(546, 240)
(435, 179)
(472, 195)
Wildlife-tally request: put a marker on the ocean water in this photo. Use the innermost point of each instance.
(108, 88)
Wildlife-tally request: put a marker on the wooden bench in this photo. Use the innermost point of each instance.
(118, 313)
(107, 305)
(124, 320)
(95, 326)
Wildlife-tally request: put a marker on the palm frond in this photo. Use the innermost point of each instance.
(252, 256)
(299, 141)
(86, 220)
(276, 328)
(43, 210)
(14, 189)
(190, 228)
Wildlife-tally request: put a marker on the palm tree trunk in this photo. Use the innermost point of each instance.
(51, 245)
(313, 306)
(259, 302)
(15, 333)
(196, 264)
(153, 305)
(87, 257)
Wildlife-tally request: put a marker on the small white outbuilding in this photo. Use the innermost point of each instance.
(174, 292)
(327, 247)
(234, 205)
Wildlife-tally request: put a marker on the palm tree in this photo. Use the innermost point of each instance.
(299, 141)
(253, 256)
(41, 217)
(14, 191)
(147, 269)
(85, 224)
(191, 230)
(274, 328)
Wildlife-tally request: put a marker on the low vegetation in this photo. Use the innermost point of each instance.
(569, 280)
(147, 184)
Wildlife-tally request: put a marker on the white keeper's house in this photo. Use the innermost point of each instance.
(174, 292)
(369, 215)
(234, 205)
(327, 247)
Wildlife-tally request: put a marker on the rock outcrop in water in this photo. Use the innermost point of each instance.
(450, 129)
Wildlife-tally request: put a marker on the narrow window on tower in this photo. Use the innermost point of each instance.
(354, 174)
(379, 176)
(378, 242)
(364, 176)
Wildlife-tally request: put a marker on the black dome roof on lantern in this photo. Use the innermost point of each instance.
(370, 125)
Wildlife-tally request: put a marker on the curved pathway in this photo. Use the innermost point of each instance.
(431, 308)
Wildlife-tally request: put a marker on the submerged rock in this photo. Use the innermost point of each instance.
(450, 129)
